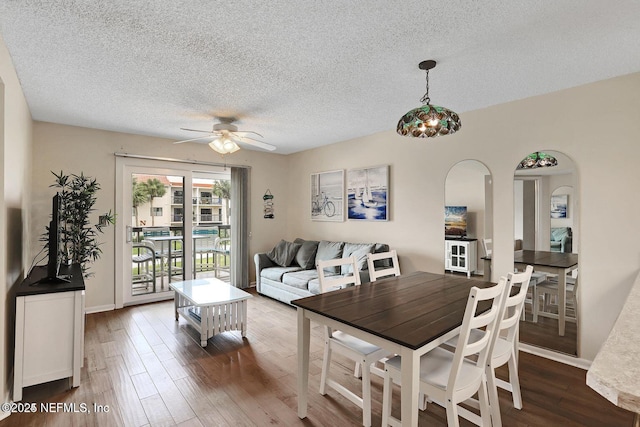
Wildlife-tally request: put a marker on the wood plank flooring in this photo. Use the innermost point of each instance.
(150, 370)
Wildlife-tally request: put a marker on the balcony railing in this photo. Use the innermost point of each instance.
(178, 200)
(209, 200)
(209, 218)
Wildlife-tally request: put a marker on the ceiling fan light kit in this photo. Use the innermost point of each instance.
(226, 137)
(224, 145)
(428, 120)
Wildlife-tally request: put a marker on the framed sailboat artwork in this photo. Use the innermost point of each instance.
(368, 193)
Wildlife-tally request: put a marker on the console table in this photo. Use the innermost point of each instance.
(49, 329)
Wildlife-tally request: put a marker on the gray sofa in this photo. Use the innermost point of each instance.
(561, 239)
(288, 271)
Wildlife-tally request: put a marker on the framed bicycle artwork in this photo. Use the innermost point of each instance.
(327, 196)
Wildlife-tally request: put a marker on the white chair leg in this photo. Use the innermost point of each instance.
(452, 414)
(534, 304)
(386, 398)
(326, 361)
(485, 408)
(514, 380)
(366, 395)
(357, 371)
(494, 402)
(423, 400)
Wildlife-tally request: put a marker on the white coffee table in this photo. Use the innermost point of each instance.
(211, 306)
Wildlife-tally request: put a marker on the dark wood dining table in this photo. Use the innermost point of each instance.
(407, 315)
(560, 263)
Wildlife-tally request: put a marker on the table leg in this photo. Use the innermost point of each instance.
(304, 333)
(410, 374)
(244, 306)
(487, 270)
(176, 304)
(204, 325)
(636, 420)
(562, 300)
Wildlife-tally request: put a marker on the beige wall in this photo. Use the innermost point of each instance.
(601, 138)
(595, 125)
(74, 150)
(15, 151)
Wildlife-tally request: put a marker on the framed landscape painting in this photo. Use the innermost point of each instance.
(327, 196)
(368, 193)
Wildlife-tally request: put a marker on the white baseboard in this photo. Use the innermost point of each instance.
(7, 399)
(100, 308)
(558, 357)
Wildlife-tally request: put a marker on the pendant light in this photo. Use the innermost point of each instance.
(429, 120)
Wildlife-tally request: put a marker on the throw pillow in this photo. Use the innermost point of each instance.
(330, 250)
(306, 256)
(358, 250)
(284, 253)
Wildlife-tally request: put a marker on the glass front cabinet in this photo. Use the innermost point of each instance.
(461, 255)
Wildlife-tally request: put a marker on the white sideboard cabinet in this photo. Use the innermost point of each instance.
(461, 255)
(49, 338)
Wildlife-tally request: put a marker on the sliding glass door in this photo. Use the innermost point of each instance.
(172, 225)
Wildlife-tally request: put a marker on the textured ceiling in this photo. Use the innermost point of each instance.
(303, 73)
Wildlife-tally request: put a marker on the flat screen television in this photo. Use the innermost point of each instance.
(53, 245)
(455, 221)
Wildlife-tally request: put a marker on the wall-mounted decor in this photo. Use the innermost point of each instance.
(268, 204)
(367, 193)
(327, 196)
(559, 206)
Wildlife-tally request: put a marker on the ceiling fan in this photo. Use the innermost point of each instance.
(226, 136)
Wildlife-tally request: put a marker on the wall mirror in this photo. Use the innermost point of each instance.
(468, 216)
(546, 220)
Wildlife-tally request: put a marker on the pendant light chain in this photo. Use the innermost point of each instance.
(425, 99)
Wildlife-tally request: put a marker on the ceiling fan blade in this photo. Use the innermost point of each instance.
(256, 143)
(194, 139)
(196, 130)
(244, 132)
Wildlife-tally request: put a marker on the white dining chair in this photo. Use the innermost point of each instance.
(549, 289)
(361, 352)
(487, 246)
(392, 270)
(449, 379)
(504, 349)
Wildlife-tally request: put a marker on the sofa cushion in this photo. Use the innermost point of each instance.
(330, 250)
(306, 256)
(314, 285)
(276, 273)
(557, 234)
(359, 251)
(284, 253)
(299, 279)
(381, 263)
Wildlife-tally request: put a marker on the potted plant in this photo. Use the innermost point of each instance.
(78, 236)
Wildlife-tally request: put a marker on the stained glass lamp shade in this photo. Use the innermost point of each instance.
(537, 160)
(429, 120)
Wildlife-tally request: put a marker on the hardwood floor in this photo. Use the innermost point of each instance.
(544, 334)
(149, 369)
